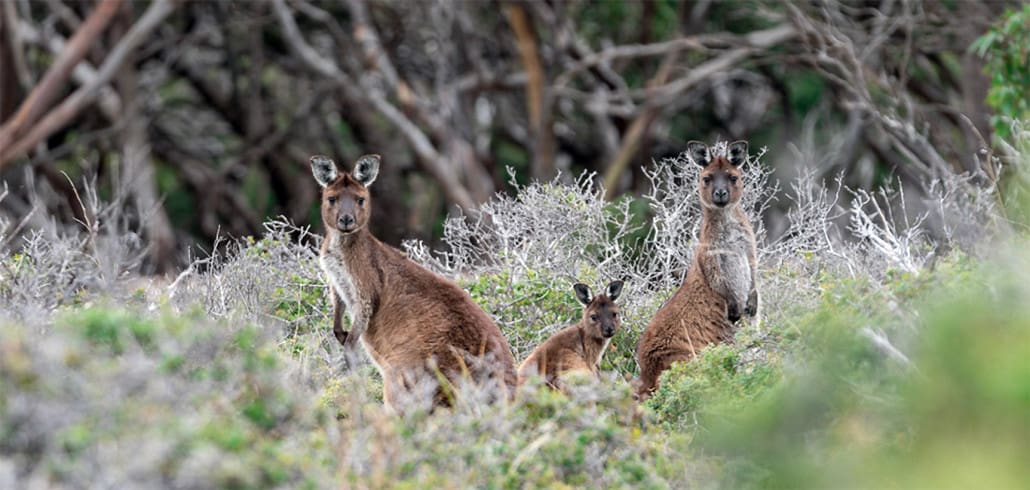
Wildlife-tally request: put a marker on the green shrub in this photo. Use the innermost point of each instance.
(1004, 48)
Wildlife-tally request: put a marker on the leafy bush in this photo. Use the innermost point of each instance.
(1004, 48)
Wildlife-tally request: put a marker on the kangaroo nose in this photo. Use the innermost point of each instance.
(721, 194)
(346, 220)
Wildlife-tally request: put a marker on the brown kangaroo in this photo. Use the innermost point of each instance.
(414, 324)
(577, 347)
(721, 278)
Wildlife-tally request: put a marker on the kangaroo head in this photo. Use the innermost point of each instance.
(601, 315)
(720, 183)
(345, 200)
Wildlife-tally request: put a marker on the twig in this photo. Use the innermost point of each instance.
(881, 342)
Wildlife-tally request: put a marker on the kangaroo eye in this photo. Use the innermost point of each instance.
(708, 180)
(615, 315)
(332, 199)
(361, 200)
(733, 178)
(593, 318)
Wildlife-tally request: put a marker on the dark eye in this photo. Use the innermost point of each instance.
(361, 200)
(733, 179)
(593, 318)
(615, 315)
(708, 180)
(332, 199)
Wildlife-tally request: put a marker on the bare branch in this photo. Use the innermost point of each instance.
(41, 96)
(636, 133)
(537, 99)
(85, 95)
(423, 147)
(84, 73)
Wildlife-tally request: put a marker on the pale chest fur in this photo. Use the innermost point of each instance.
(731, 244)
(334, 264)
(600, 354)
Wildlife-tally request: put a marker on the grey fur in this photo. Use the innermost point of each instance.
(324, 170)
(366, 169)
(699, 153)
(614, 290)
(733, 274)
(583, 293)
(737, 153)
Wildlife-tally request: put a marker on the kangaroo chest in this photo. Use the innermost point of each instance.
(347, 287)
(731, 245)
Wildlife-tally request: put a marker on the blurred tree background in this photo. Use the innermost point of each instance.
(197, 118)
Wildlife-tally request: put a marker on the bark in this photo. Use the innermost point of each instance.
(139, 180)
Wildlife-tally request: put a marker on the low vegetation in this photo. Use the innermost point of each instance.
(879, 360)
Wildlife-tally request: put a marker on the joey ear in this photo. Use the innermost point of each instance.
(698, 152)
(737, 153)
(324, 170)
(583, 293)
(614, 290)
(366, 169)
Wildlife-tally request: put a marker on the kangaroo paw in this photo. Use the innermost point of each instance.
(732, 310)
(752, 303)
(341, 336)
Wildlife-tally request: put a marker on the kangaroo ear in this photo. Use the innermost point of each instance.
(366, 169)
(324, 170)
(614, 290)
(698, 152)
(582, 293)
(738, 153)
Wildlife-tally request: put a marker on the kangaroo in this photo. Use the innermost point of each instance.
(721, 278)
(414, 324)
(577, 347)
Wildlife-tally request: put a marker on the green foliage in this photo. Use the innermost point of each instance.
(525, 306)
(179, 397)
(954, 417)
(213, 396)
(1006, 50)
(111, 329)
(717, 383)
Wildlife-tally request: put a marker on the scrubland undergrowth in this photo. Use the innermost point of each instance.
(892, 350)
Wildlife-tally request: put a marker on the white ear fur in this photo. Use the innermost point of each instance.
(699, 153)
(737, 153)
(324, 170)
(583, 293)
(614, 290)
(366, 169)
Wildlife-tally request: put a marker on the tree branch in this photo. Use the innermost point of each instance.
(536, 94)
(636, 133)
(72, 105)
(84, 73)
(431, 159)
(44, 92)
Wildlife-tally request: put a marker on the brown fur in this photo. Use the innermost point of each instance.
(578, 347)
(703, 310)
(414, 324)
